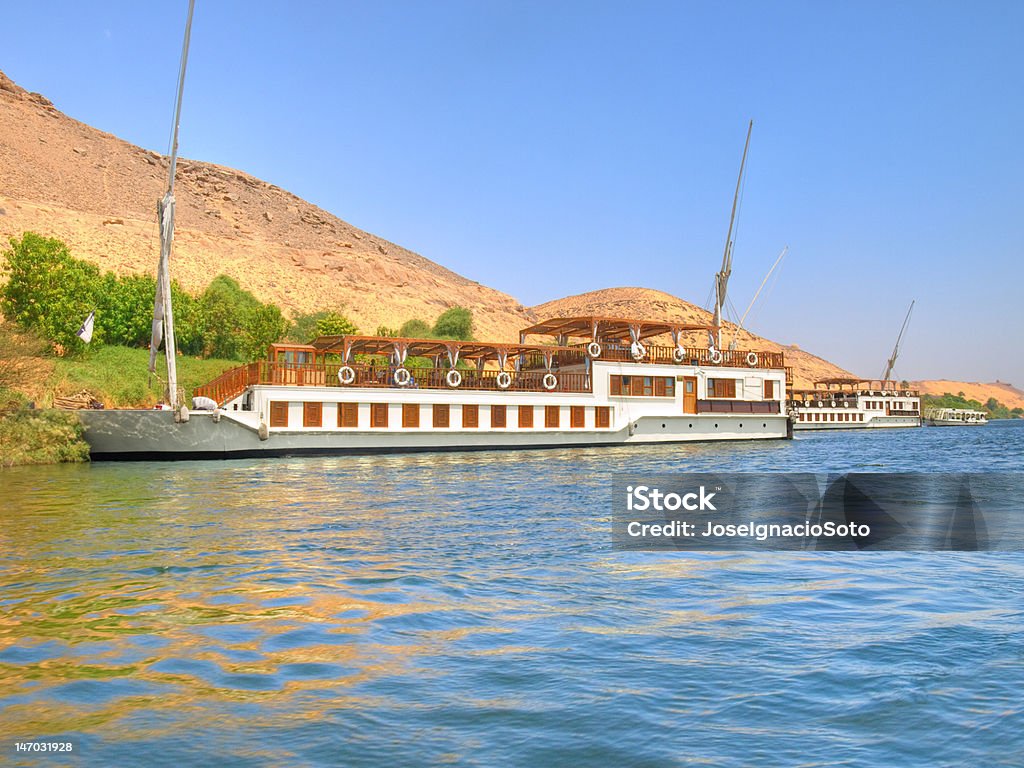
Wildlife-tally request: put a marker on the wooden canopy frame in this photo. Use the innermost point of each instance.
(601, 328)
(346, 346)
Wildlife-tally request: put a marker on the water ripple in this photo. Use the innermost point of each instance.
(469, 610)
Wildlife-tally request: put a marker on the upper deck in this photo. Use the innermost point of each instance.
(562, 364)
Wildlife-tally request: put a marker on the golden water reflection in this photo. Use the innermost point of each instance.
(153, 600)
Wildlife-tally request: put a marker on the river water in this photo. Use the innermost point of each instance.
(468, 609)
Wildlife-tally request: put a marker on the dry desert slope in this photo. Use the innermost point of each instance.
(65, 179)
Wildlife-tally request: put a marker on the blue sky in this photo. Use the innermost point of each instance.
(551, 148)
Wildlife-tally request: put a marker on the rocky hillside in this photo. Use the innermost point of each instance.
(65, 179)
(657, 305)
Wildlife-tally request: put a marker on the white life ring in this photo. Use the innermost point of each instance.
(833, 403)
(346, 375)
(679, 354)
(846, 404)
(453, 378)
(821, 404)
(636, 349)
(550, 381)
(716, 357)
(594, 349)
(402, 377)
(752, 359)
(504, 380)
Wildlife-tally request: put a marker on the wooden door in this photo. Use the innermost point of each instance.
(689, 394)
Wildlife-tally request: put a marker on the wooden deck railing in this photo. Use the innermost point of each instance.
(733, 358)
(232, 383)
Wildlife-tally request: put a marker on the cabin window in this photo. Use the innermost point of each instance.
(379, 415)
(669, 384)
(312, 414)
(769, 389)
(410, 415)
(348, 414)
(603, 417)
(470, 416)
(294, 356)
(525, 416)
(721, 387)
(552, 416)
(442, 415)
(642, 386)
(278, 414)
(498, 417)
(576, 416)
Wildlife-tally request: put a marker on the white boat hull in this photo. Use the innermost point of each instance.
(149, 434)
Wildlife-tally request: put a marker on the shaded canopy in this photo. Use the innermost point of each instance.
(599, 328)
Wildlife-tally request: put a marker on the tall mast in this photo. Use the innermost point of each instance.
(896, 350)
(163, 312)
(722, 278)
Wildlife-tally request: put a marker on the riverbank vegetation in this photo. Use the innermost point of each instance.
(992, 407)
(45, 296)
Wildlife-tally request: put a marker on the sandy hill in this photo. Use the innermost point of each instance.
(98, 193)
(1007, 394)
(65, 179)
(646, 303)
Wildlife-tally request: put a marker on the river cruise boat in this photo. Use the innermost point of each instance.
(954, 417)
(584, 381)
(854, 404)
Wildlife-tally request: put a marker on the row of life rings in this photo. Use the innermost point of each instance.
(402, 378)
(638, 352)
(833, 403)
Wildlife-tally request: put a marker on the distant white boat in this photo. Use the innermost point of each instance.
(954, 417)
(853, 404)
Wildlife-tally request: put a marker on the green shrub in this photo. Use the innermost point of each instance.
(414, 329)
(48, 291)
(455, 323)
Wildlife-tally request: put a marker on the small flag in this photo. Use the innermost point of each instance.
(85, 332)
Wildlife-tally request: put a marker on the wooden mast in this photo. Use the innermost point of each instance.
(896, 350)
(722, 278)
(163, 312)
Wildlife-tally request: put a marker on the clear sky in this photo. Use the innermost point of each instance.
(551, 148)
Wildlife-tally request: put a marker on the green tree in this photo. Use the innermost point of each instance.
(305, 328)
(48, 291)
(414, 329)
(335, 324)
(455, 323)
(189, 321)
(125, 311)
(227, 308)
(263, 326)
(384, 332)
